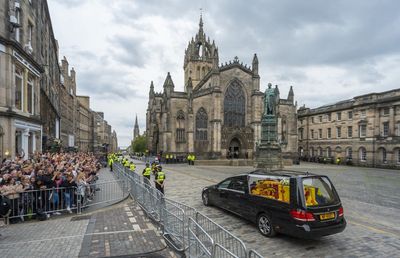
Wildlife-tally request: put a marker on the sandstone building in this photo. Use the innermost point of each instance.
(218, 115)
(364, 129)
(38, 104)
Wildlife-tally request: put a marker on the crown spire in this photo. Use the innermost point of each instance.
(201, 21)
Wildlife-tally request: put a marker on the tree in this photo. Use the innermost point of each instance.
(139, 144)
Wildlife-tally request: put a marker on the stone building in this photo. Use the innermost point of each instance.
(218, 114)
(68, 103)
(364, 129)
(84, 124)
(27, 48)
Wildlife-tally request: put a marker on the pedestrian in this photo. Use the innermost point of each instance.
(160, 179)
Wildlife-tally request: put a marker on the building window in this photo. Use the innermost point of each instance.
(384, 155)
(339, 132)
(349, 132)
(329, 117)
(363, 154)
(329, 133)
(30, 33)
(328, 152)
(320, 133)
(339, 116)
(301, 133)
(180, 127)
(398, 129)
(363, 131)
(234, 105)
(320, 119)
(312, 119)
(385, 131)
(312, 152)
(385, 111)
(201, 125)
(17, 29)
(30, 95)
(349, 153)
(312, 134)
(350, 115)
(398, 156)
(321, 152)
(363, 113)
(18, 88)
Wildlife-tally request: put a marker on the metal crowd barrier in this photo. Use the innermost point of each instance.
(28, 204)
(183, 227)
(200, 243)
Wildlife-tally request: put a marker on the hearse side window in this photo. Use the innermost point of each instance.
(224, 184)
(237, 184)
(271, 187)
(318, 192)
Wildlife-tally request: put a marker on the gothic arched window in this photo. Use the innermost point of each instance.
(180, 126)
(201, 125)
(234, 105)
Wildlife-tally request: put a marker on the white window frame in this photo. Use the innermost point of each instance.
(31, 83)
(349, 153)
(339, 132)
(338, 116)
(363, 154)
(20, 76)
(350, 132)
(361, 131)
(17, 29)
(350, 117)
(385, 129)
(320, 133)
(329, 133)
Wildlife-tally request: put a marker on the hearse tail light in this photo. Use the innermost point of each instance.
(340, 212)
(302, 215)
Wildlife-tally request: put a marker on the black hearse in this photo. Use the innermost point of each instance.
(294, 203)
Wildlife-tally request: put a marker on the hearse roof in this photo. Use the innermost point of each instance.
(280, 172)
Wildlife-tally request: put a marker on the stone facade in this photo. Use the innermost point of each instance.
(219, 113)
(84, 124)
(37, 97)
(68, 105)
(364, 129)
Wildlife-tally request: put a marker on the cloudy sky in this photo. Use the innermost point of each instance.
(328, 50)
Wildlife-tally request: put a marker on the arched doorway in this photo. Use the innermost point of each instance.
(234, 148)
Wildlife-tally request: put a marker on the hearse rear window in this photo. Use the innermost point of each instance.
(271, 187)
(318, 192)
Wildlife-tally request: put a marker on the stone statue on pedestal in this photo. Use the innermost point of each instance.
(268, 152)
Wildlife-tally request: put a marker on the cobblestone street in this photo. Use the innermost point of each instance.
(370, 198)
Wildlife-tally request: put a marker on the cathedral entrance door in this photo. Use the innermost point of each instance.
(234, 148)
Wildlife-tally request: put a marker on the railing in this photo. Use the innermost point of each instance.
(184, 228)
(43, 202)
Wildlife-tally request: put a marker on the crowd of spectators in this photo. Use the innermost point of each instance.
(47, 182)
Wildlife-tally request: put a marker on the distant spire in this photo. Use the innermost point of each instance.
(136, 129)
(201, 22)
(291, 94)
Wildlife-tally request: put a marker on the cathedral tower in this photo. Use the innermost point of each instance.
(201, 56)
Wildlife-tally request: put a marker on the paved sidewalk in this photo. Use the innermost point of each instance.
(121, 230)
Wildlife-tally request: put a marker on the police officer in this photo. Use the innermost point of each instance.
(110, 162)
(132, 167)
(160, 178)
(147, 171)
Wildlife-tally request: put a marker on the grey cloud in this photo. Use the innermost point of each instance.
(71, 3)
(129, 50)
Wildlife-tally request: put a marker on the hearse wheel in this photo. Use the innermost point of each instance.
(265, 226)
(206, 201)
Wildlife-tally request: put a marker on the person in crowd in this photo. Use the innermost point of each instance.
(47, 181)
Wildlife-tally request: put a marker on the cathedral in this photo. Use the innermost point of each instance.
(218, 115)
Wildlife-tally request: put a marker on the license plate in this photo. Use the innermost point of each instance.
(326, 216)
